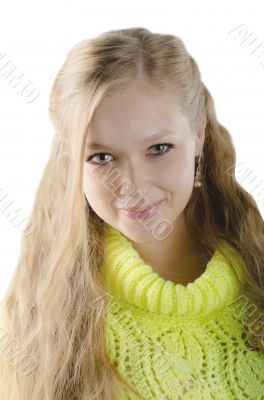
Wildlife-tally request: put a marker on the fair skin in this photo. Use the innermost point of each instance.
(123, 124)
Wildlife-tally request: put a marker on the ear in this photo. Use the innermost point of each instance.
(200, 136)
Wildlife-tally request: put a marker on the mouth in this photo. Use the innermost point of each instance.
(137, 210)
(139, 213)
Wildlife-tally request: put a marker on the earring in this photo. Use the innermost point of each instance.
(197, 181)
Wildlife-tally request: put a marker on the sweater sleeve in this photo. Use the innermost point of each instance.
(5, 364)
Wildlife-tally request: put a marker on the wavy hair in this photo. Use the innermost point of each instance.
(58, 277)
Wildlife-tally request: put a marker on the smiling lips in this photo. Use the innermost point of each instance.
(134, 214)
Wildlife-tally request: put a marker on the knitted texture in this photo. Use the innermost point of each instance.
(171, 341)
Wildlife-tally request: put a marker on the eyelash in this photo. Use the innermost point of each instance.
(169, 145)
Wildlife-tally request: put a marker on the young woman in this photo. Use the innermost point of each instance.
(143, 277)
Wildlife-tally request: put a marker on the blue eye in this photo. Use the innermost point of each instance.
(96, 155)
(169, 146)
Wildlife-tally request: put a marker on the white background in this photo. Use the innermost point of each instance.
(36, 37)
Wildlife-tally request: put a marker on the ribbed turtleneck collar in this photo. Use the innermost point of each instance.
(127, 276)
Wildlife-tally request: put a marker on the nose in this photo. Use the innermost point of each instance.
(130, 197)
(132, 179)
(126, 187)
(132, 190)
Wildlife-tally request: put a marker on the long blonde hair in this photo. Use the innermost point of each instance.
(58, 272)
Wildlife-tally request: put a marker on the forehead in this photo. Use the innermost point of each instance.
(134, 115)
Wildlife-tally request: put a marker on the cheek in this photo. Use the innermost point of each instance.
(98, 192)
(179, 174)
(93, 187)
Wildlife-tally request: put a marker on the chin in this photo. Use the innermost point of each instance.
(140, 233)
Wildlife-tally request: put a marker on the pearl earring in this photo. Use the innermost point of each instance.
(197, 181)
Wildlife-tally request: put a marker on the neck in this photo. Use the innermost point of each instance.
(176, 257)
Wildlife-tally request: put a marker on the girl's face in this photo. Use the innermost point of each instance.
(143, 143)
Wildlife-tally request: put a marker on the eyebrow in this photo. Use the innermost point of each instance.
(158, 135)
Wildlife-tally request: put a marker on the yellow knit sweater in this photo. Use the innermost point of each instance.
(171, 341)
